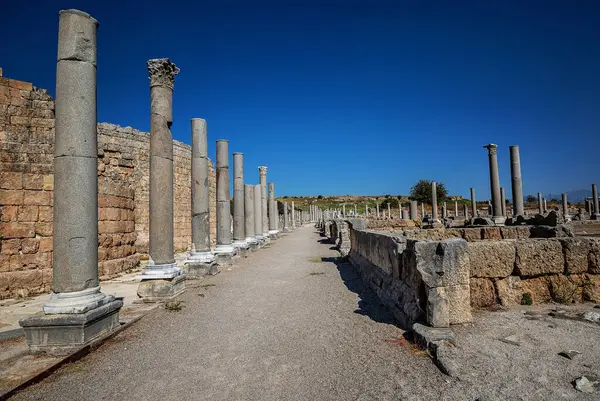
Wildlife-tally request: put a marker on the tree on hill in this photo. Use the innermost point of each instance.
(392, 201)
(421, 191)
(530, 199)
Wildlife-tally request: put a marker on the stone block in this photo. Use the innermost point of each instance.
(594, 256)
(491, 258)
(28, 213)
(161, 290)
(44, 229)
(576, 251)
(539, 256)
(10, 180)
(459, 304)
(11, 197)
(31, 261)
(30, 245)
(509, 290)
(9, 213)
(45, 244)
(40, 198)
(483, 294)
(4, 267)
(27, 86)
(591, 288)
(566, 289)
(65, 334)
(538, 288)
(438, 308)
(10, 246)
(442, 263)
(13, 280)
(42, 122)
(472, 234)
(17, 230)
(491, 233)
(46, 214)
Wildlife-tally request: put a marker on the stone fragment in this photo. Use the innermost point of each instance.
(538, 288)
(570, 354)
(491, 259)
(509, 290)
(511, 339)
(591, 316)
(587, 385)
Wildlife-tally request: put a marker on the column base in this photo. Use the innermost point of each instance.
(164, 271)
(76, 302)
(242, 248)
(273, 234)
(225, 254)
(266, 238)
(286, 230)
(65, 333)
(160, 290)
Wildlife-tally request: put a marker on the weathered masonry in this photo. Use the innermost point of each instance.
(27, 184)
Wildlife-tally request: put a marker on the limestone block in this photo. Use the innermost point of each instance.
(591, 288)
(17, 230)
(483, 294)
(44, 229)
(443, 263)
(539, 256)
(30, 245)
(10, 246)
(40, 198)
(28, 213)
(9, 213)
(538, 288)
(491, 258)
(45, 244)
(11, 197)
(11, 180)
(438, 308)
(491, 233)
(509, 290)
(576, 251)
(594, 257)
(459, 303)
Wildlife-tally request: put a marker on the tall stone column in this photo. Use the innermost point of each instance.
(503, 200)
(286, 228)
(293, 216)
(565, 208)
(377, 206)
(366, 210)
(404, 214)
(596, 213)
(273, 213)
(455, 209)
(540, 203)
(496, 217)
(434, 211)
(516, 181)
(466, 211)
(262, 170)
(258, 226)
(76, 302)
(473, 203)
(422, 210)
(444, 210)
(344, 210)
(355, 210)
(249, 217)
(239, 228)
(224, 251)
(413, 210)
(200, 261)
(161, 279)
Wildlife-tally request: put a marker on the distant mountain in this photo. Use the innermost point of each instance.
(576, 196)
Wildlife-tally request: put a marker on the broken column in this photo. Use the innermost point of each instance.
(516, 182)
(286, 228)
(273, 213)
(545, 205)
(596, 212)
(293, 216)
(466, 211)
(77, 311)
(565, 208)
(249, 217)
(413, 210)
(200, 261)
(224, 251)
(422, 210)
(377, 206)
(161, 279)
(473, 203)
(444, 210)
(497, 216)
(540, 203)
(389, 211)
(434, 211)
(455, 209)
(239, 225)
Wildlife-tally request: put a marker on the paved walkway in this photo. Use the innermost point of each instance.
(290, 322)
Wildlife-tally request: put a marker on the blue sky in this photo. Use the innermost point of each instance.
(344, 97)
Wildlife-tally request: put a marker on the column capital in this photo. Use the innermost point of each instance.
(262, 170)
(162, 72)
(491, 148)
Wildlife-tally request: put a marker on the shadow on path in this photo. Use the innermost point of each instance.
(369, 304)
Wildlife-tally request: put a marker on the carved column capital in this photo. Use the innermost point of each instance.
(262, 170)
(491, 148)
(162, 72)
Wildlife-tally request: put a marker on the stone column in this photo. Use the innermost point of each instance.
(161, 279)
(596, 215)
(286, 228)
(366, 210)
(516, 182)
(262, 170)
(434, 211)
(466, 211)
(422, 210)
(545, 205)
(224, 251)
(495, 184)
(377, 206)
(273, 213)
(473, 203)
(344, 209)
(413, 210)
(293, 217)
(565, 208)
(404, 214)
(76, 302)
(258, 226)
(540, 203)
(239, 225)
(200, 261)
(444, 211)
(503, 200)
(455, 209)
(249, 217)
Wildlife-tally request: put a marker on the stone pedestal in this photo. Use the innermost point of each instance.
(161, 290)
(77, 312)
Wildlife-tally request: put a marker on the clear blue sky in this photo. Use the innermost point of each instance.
(351, 97)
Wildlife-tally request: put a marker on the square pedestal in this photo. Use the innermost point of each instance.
(195, 269)
(255, 246)
(62, 334)
(242, 250)
(160, 290)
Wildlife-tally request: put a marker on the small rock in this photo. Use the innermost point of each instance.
(593, 317)
(512, 339)
(570, 354)
(586, 385)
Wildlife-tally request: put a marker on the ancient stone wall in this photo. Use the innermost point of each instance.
(26, 193)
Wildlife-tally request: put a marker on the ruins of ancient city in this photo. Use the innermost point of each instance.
(134, 267)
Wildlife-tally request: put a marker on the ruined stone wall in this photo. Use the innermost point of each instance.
(26, 193)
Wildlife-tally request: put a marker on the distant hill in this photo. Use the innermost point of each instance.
(576, 196)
